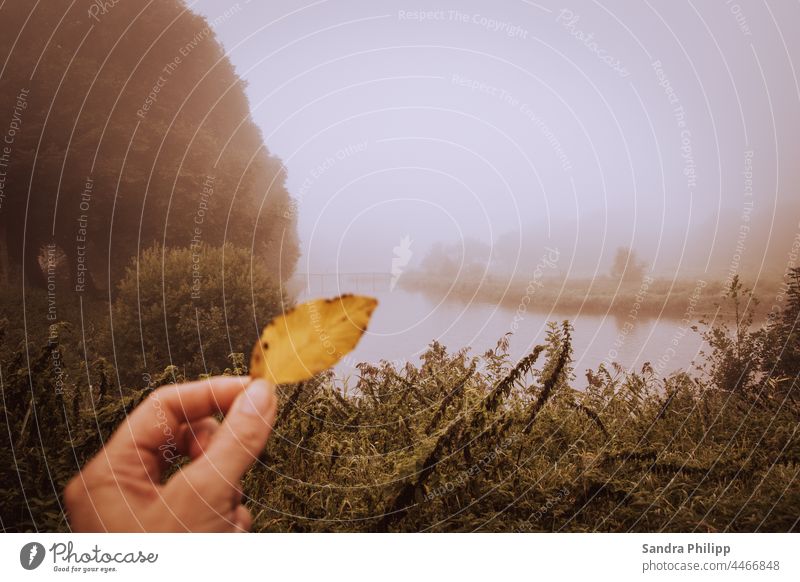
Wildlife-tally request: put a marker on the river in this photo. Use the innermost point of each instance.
(406, 322)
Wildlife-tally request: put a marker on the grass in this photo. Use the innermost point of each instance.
(464, 443)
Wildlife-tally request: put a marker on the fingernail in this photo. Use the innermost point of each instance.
(257, 398)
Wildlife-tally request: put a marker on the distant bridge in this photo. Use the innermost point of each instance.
(344, 282)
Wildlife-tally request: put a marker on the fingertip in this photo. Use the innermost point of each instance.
(238, 381)
(269, 386)
(258, 399)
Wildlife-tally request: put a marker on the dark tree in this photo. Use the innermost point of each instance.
(130, 127)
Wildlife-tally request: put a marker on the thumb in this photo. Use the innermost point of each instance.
(242, 436)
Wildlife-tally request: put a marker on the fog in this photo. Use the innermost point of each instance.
(670, 128)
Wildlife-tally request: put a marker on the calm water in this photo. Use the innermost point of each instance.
(406, 322)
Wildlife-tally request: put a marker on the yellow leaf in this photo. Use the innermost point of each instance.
(310, 338)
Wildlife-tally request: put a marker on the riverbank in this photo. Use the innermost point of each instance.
(649, 297)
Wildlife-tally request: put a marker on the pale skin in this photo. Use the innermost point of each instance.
(122, 490)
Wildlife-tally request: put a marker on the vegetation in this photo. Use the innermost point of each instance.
(542, 282)
(131, 128)
(780, 354)
(654, 296)
(463, 443)
(150, 232)
(190, 307)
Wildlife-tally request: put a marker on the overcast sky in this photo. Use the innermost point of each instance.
(583, 125)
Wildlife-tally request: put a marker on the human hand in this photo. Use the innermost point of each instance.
(121, 489)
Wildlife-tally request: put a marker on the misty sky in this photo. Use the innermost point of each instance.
(582, 125)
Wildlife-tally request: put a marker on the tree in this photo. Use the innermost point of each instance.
(133, 128)
(626, 266)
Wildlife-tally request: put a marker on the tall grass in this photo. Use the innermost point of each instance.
(463, 442)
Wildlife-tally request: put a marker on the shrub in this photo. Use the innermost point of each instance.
(192, 308)
(458, 443)
(732, 362)
(780, 350)
(51, 423)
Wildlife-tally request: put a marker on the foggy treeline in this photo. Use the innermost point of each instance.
(125, 127)
(760, 244)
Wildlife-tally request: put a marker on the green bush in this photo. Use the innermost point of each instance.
(780, 351)
(732, 362)
(758, 360)
(192, 308)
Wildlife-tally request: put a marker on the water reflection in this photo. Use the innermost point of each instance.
(406, 322)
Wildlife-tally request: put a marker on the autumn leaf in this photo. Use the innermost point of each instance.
(310, 338)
